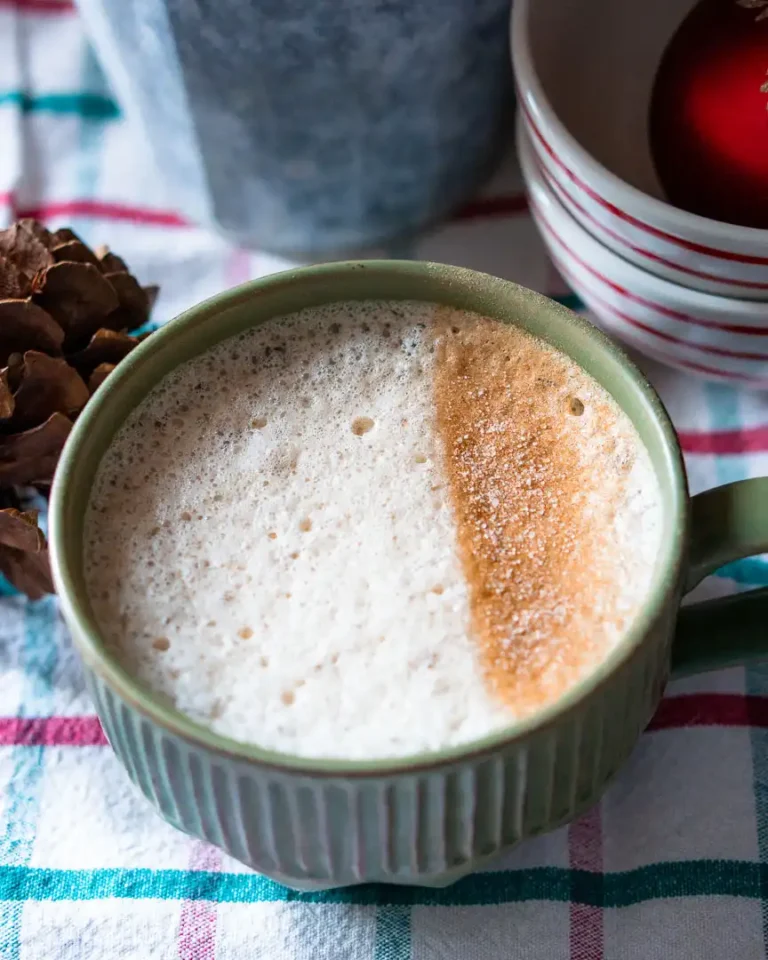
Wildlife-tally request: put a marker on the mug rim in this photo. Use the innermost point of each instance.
(105, 665)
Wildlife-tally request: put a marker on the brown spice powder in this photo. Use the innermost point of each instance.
(521, 494)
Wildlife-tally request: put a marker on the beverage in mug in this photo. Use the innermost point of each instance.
(371, 529)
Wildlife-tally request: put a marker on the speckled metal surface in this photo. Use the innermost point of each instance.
(313, 125)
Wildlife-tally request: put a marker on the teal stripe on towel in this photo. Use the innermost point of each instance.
(91, 106)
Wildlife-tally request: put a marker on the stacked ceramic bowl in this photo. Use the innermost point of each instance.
(687, 290)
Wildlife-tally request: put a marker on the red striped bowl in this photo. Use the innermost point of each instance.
(720, 338)
(585, 73)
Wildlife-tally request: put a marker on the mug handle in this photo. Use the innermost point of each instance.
(727, 523)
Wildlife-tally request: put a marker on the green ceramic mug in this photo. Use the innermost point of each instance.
(432, 818)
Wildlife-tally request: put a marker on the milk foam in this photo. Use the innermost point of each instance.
(271, 544)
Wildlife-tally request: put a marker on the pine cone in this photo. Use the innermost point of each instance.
(65, 313)
(23, 550)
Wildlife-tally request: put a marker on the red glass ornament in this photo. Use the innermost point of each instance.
(709, 113)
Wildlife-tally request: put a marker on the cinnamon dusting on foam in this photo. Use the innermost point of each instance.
(539, 462)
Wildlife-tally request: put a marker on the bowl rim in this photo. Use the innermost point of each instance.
(632, 273)
(649, 210)
(552, 216)
(655, 257)
(660, 600)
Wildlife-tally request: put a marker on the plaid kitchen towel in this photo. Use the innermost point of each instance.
(672, 864)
